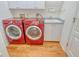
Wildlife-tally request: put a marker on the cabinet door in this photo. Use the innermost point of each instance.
(39, 5)
(26, 5)
(12, 4)
(52, 32)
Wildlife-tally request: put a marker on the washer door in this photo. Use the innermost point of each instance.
(13, 32)
(33, 32)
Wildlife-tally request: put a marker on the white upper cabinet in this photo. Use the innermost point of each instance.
(26, 4)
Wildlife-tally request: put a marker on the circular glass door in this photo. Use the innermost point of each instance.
(33, 32)
(13, 31)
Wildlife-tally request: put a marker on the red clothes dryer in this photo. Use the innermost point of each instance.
(34, 31)
(14, 31)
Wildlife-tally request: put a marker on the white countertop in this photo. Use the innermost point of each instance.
(53, 21)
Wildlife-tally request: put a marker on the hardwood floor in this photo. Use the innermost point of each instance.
(48, 49)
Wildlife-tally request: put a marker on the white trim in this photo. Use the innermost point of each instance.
(14, 38)
(30, 36)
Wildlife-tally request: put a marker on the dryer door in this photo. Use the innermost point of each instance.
(33, 32)
(13, 32)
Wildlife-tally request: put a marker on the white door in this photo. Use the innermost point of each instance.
(73, 43)
(68, 12)
(3, 49)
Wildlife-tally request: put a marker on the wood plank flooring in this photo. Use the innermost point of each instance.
(48, 49)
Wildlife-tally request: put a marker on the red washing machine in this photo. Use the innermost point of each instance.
(14, 31)
(34, 31)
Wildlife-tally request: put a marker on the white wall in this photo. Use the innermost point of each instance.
(53, 5)
(4, 13)
(68, 13)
